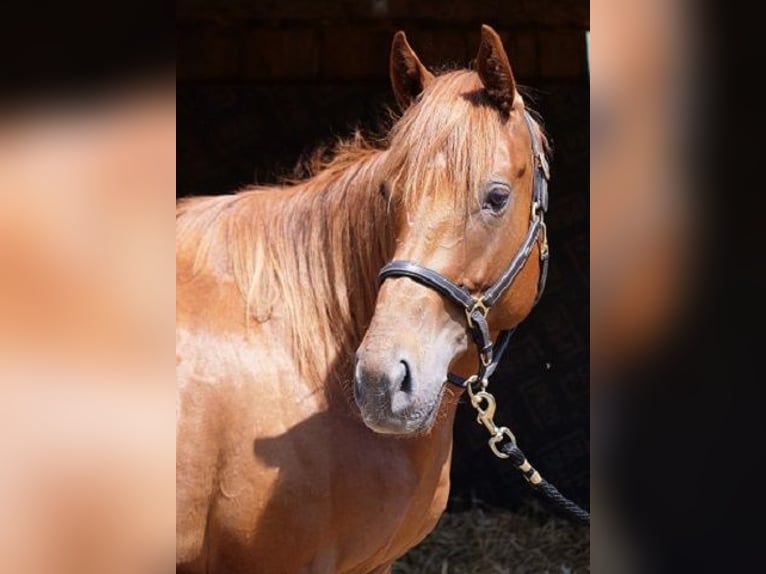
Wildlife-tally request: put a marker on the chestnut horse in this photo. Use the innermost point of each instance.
(314, 426)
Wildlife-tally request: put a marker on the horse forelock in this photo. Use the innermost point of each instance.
(444, 145)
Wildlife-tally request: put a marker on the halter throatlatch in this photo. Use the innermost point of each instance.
(502, 441)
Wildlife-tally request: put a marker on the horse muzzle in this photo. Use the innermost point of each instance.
(391, 396)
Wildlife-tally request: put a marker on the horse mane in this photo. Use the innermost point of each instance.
(307, 252)
(295, 251)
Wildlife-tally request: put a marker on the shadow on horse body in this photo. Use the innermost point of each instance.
(314, 425)
(331, 495)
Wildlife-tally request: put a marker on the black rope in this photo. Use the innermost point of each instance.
(545, 488)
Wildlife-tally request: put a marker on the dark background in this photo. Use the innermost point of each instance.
(261, 84)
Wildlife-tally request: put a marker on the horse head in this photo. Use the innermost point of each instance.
(460, 181)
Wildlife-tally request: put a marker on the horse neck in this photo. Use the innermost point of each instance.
(337, 228)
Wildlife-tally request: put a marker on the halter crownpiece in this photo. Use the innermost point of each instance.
(477, 307)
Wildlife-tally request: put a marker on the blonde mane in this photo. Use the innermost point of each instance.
(307, 254)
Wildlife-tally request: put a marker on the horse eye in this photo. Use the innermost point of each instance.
(496, 198)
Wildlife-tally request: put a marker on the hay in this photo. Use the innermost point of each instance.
(500, 542)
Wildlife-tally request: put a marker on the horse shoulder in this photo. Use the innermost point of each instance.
(226, 382)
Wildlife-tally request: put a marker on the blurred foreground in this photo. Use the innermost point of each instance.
(87, 436)
(676, 370)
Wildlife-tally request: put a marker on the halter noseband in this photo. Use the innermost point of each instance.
(477, 307)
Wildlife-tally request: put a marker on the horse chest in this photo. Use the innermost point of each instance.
(328, 495)
(295, 486)
(397, 504)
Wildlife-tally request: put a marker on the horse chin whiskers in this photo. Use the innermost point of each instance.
(416, 419)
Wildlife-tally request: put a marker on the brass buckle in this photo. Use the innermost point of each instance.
(502, 432)
(544, 251)
(485, 416)
(471, 381)
(543, 163)
(478, 305)
(484, 403)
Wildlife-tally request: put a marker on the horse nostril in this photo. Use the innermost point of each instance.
(406, 383)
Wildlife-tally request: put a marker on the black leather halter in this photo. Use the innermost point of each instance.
(477, 306)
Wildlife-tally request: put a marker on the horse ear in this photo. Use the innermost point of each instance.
(495, 70)
(408, 76)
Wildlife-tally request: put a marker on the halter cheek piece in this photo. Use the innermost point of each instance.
(477, 307)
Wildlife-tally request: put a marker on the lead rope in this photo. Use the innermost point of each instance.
(484, 403)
